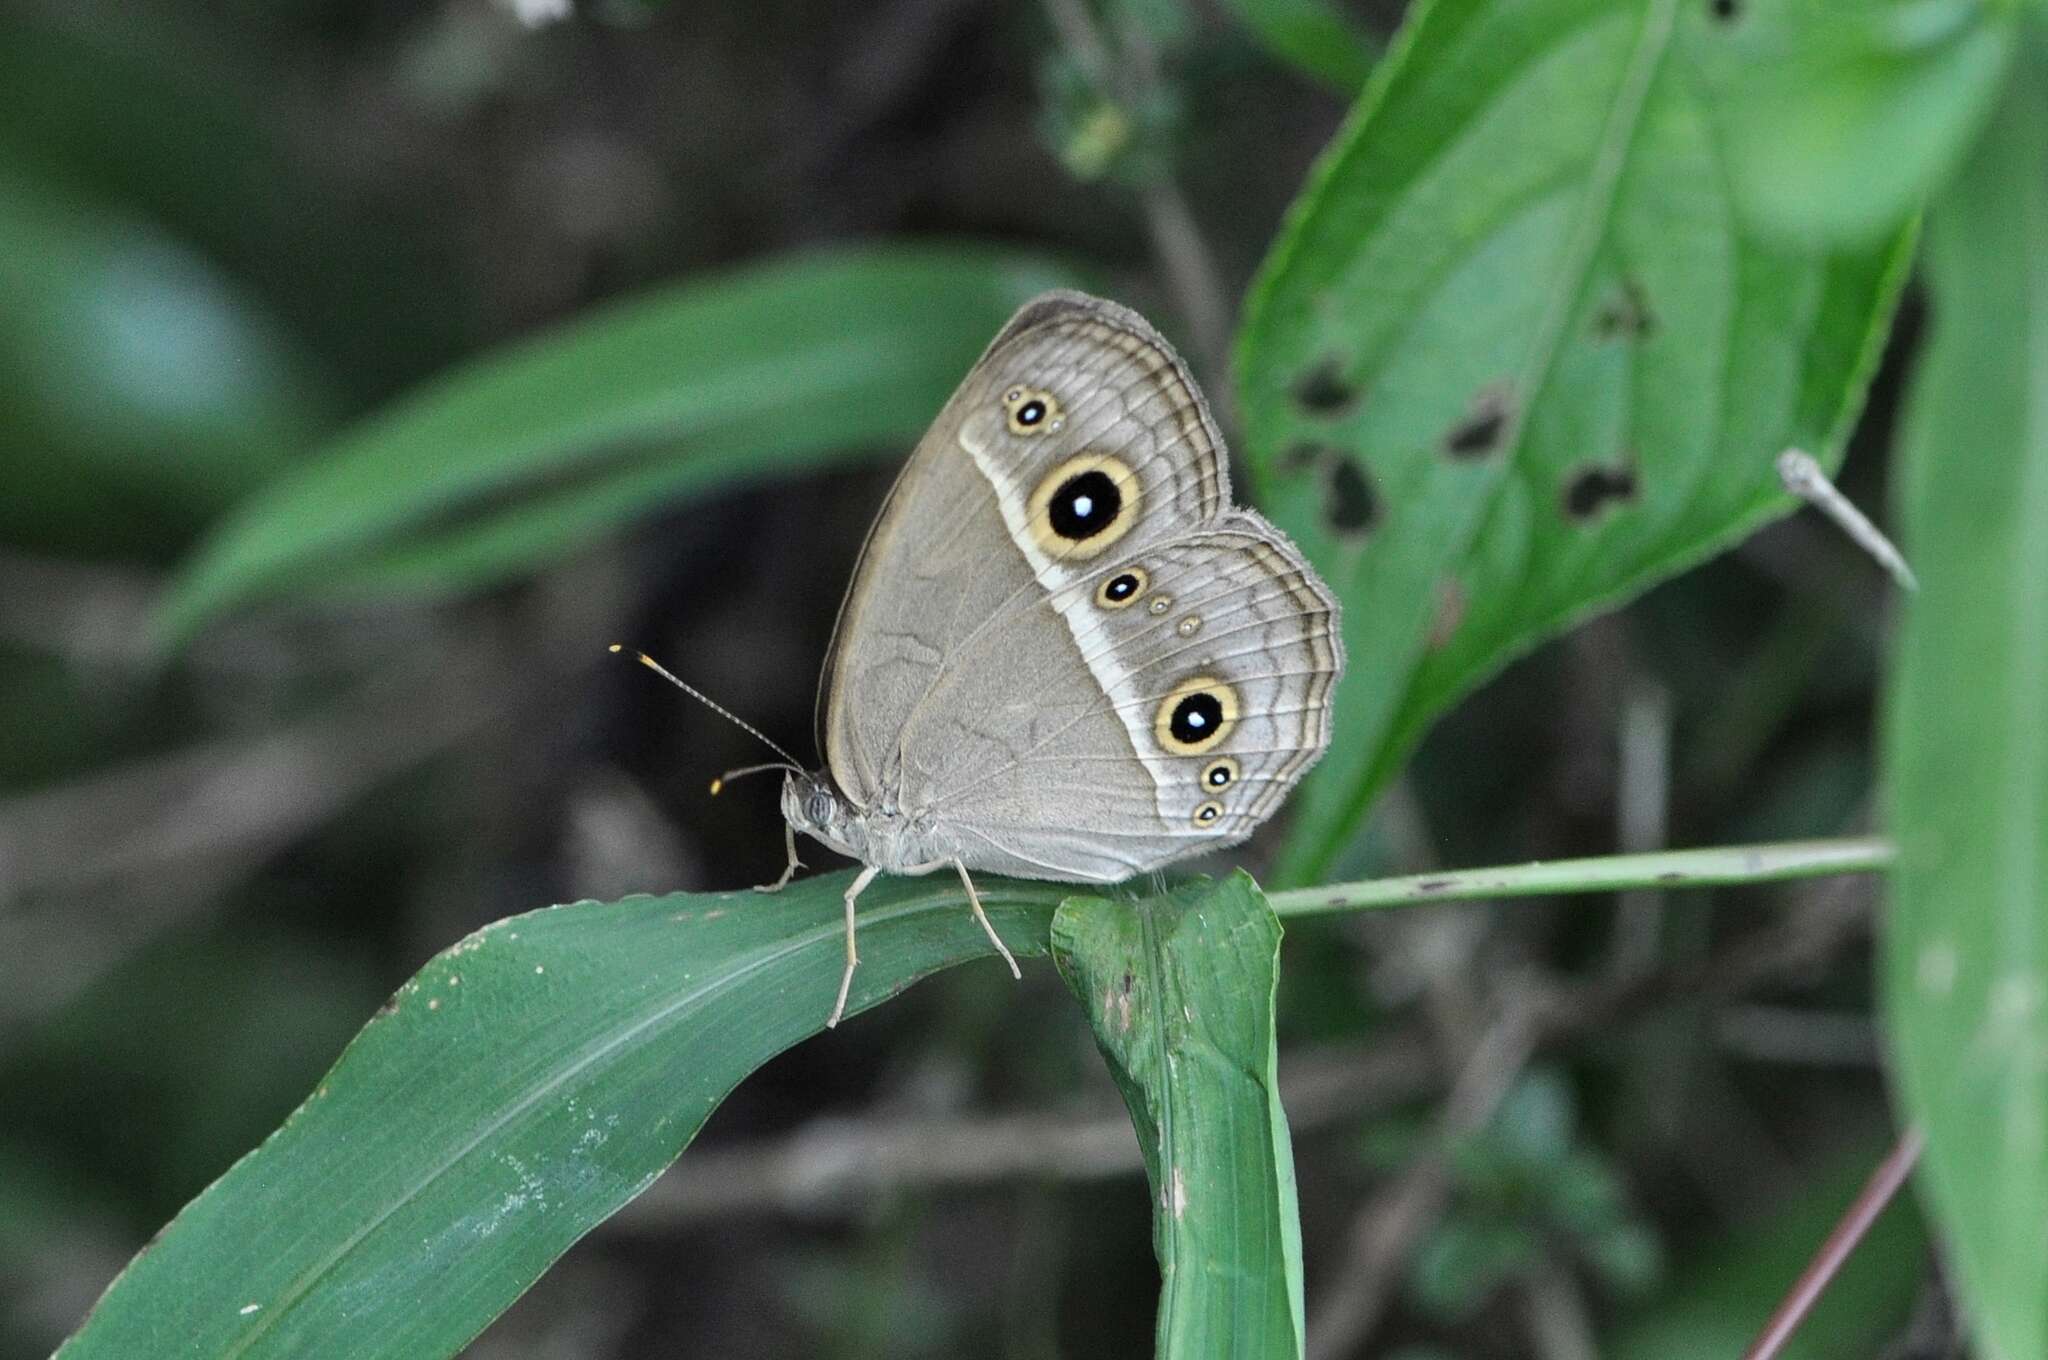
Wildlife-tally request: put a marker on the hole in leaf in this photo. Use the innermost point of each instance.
(1626, 315)
(1300, 457)
(1350, 505)
(1725, 10)
(1479, 433)
(1322, 390)
(1593, 489)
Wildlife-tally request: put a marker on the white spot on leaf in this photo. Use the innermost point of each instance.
(1936, 969)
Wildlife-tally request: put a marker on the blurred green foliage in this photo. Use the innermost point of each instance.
(392, 359)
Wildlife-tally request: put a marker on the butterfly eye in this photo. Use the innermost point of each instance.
(1196, 715)
(1122, 590)
(1208, 813)
(1031, 411)
(1220, 773)
(1084, 505)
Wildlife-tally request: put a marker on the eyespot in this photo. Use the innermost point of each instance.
(1031, 411)
(1189, 626)
(1084, 505)
(1124, 589)
(1208, 814)
(1196, 715)
(1160, 604)
(1220, 773)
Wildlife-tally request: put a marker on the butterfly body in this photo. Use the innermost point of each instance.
(1065, 654)
(888, 837)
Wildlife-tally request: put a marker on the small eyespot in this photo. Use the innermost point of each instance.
(1031, 411)
(1220, 773)
(1189, 626)
(1160, 604)
(1084, 505)
(1124, 589)
(1197, 714)
(1208, 813)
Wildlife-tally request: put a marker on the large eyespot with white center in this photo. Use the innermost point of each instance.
(1196, 715)
(1123, 589)
(1220, 773)
(1031, 411)
(1084, 505)
(1207, 814)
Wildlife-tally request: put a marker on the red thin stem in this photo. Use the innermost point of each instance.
(1820, 1272)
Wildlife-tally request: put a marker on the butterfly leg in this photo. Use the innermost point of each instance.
(789, 869)
(853, 891)
(974, 901)
(974, 904)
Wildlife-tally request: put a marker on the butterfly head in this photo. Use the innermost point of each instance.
(810, 803)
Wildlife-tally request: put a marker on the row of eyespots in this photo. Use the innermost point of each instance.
(1128, 586)
(1220, 773)
(1192, 719)
(1079, 509)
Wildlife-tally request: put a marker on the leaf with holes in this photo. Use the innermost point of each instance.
(1966, 751)
(525, 454)
(526, 1084)
(1515, 356)
(1179, 989)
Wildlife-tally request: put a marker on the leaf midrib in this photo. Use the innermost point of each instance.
(1590, 227)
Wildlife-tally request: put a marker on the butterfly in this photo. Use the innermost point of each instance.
(1065, 654)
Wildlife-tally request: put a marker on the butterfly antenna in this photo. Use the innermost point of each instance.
(788, 762)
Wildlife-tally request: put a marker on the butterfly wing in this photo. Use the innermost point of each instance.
(1062, 641)
(1074, 383)
(1211, 662)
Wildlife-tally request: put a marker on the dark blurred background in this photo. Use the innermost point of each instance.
(227, 230)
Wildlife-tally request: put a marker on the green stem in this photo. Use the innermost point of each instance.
(1731, 864)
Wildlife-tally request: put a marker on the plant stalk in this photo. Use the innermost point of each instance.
(1722, 866)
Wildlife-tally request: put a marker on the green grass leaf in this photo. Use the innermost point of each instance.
(527, 1083)
(1966, 744)
(523, 455)
(1179, 990)
(1515, 357)
(141, 390)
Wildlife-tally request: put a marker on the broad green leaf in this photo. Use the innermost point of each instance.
(1966, 744)
(1179, 990)
(521, 456)
(1515, 356)
(1841, 117)
(1314, 36)
(1719, 1299)
(141, 392)
(527, 1083)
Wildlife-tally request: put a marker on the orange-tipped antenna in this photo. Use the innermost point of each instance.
(788, 762)
(718, 784)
